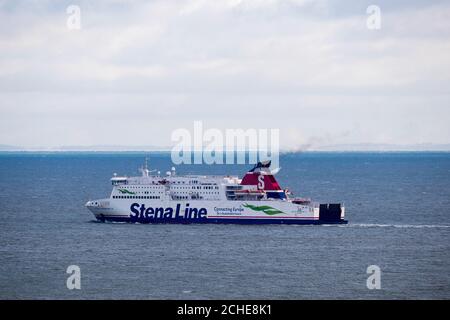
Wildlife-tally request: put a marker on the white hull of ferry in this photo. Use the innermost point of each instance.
(236, 212)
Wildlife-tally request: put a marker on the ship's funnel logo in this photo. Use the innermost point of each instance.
(229, 146)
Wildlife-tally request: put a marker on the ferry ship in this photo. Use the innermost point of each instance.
(257, 198)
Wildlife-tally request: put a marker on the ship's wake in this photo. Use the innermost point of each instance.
(406, 226)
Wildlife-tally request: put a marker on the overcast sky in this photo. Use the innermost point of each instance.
(137, 70)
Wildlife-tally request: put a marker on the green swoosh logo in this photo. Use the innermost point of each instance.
(126, 191)
(266, 209)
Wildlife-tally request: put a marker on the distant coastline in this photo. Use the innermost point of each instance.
(367, 147)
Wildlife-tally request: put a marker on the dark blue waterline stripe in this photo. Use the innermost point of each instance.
(217, 221)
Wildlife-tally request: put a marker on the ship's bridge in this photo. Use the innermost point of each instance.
(115, 181)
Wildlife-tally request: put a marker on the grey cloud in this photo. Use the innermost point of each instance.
(151, 67)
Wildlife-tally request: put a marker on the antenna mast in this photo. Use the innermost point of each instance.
(144, 169)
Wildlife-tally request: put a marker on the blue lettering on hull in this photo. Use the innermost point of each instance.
(139, 213)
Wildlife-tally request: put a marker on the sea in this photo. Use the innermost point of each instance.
(397, 205)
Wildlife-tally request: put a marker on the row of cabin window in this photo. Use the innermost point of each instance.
(203, 193)
(180, 197)
(136, 197)
(185, 182)
(194, 187)
(144, 187)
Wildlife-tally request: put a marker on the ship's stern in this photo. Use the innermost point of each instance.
(332, 213)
